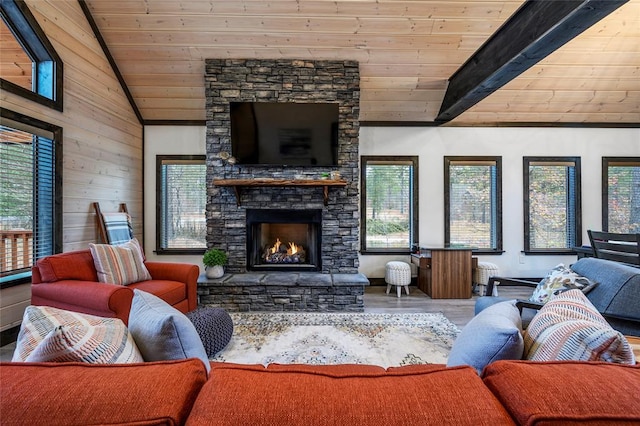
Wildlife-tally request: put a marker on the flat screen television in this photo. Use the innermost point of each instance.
(284, 133)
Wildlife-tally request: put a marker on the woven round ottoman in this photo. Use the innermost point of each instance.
(214, 326)
(398, 274)
(483, 272)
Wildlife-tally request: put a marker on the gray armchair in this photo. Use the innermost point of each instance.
(616, 295)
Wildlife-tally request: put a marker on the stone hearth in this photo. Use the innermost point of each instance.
(284, 291)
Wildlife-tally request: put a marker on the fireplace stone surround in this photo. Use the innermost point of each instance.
(338, 285)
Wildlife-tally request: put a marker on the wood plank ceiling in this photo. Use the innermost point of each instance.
(407, 51)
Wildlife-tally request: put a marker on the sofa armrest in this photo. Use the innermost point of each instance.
(94, 298)
(503, 281)
(521, 304)
(181, 272)
(592, 392)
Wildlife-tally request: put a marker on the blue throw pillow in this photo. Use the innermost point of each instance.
(493, 334)
(162, 332)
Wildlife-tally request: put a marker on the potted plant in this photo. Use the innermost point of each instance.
(213, 260)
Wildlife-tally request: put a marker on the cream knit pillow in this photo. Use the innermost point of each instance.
(56, 335)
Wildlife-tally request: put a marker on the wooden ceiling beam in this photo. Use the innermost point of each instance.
(535, 30)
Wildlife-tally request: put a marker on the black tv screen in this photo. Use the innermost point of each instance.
(284, 133)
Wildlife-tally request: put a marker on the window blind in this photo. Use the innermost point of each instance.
(553, 204)
(623, 196)
(27, 178)
(183, 197)
(473, 218)
(389, 204)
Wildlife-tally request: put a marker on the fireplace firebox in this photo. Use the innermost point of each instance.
(284, 240)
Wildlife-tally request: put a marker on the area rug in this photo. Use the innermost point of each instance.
(339, 338)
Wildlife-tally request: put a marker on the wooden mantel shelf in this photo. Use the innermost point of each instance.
(238, 184)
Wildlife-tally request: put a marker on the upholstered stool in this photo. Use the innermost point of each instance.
(483, 272)
(398, 274)
(214, 326)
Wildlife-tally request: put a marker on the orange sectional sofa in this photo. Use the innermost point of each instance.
(179, 392)
(70, 281)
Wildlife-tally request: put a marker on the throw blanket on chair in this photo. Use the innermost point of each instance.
(118, 227)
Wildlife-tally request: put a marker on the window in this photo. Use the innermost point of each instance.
(621, 194)
(30, 205)
(30, 66)
(389, 211)
(552, 210)
(181, 194)
(473, 203)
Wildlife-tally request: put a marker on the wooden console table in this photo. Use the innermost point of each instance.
(238, 184)
(445, 273)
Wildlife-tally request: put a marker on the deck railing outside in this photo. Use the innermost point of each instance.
(15, 250)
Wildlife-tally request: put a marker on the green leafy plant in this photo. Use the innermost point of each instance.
(213, 257)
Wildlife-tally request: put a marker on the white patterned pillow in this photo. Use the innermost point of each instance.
(51, 334)
(569, 327)
(122, 264)
(558, 280)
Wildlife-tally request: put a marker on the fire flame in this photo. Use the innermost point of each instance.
(276, 246)
(293, 247)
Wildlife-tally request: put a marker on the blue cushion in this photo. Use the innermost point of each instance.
(493, 334)
(483, 302)
(162, 332)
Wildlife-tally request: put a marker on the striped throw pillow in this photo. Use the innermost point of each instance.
(122, 264)
(50, 334)
(569, 327)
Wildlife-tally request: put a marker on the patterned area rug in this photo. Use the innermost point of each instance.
(339, 338)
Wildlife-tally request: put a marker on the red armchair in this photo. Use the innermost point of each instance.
(69, 281)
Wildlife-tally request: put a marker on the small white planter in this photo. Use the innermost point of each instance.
(214, 271)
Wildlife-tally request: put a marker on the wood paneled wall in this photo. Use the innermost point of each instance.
(15, 65)
(102, 145)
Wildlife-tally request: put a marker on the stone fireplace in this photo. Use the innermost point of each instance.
(240, 80)
(255, 222)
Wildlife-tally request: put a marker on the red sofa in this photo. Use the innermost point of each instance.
(179, 392)
(70, 281)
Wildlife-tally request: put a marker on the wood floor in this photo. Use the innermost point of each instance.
(458, 311)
